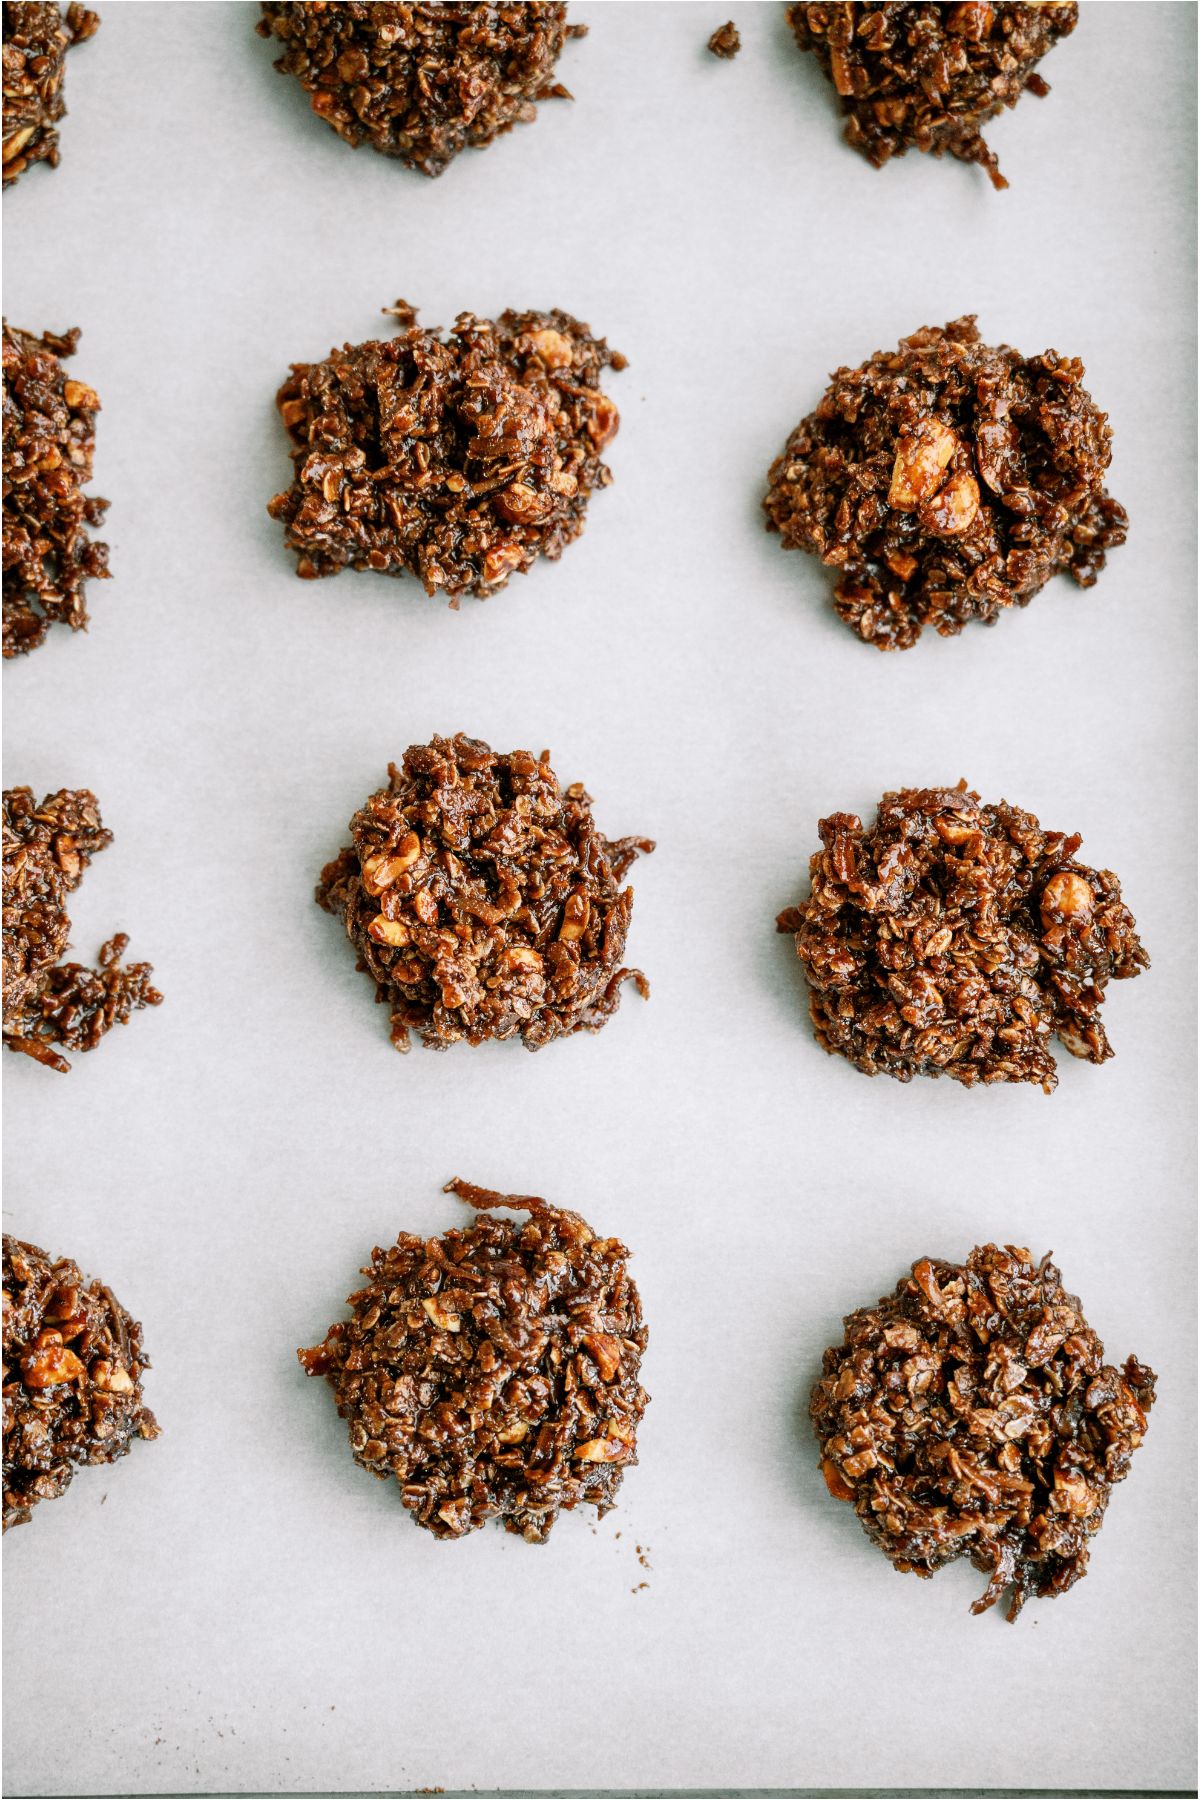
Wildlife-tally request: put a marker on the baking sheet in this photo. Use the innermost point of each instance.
(237, 1606)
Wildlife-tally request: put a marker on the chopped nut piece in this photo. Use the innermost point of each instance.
(49, 1362)
(521, 957)
(947, 481)
(422, 82)
(576, 914)
(380, 872)
(441, 1316)
(80, 397)
(836, 1482)
(921, 457)
(934, 941)
(111, 1377)
(995, 1431)
(523, 506)
(971, 21)
(927, 76)
(1067, 896)
(552, 347)
(605, 1351)
(388, 931)
(58, 1415)
(602, 426)
(953, 508)
(497, 1422)
(603, 1450)
(48, 1002)
(505, 878)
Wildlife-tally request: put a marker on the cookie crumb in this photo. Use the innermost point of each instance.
(726, 41)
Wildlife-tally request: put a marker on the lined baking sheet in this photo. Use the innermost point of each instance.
(237, 1607)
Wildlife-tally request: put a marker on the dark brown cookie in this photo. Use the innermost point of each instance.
(954, 938)
(460, 459)
(493, 1372)
(47, 849)
(37, 37)
(483, 901)
(49, 443)
(971, 1413)
(420, 82)
(73, 1366)
(947, 481)
(927, 76)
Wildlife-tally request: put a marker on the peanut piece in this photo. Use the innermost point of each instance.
(388, 931)
(552, 348)
(576, 914)
(50, 1362)
(379, 872)
(440, 1315)
(953, 510)
(921, 455)
(1066, 896)
(78, 394)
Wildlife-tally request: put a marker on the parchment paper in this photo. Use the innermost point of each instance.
(237, 1606)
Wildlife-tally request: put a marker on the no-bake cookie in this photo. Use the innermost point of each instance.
(37, 37)
(928, 76)
(459, 458)
(48, 1003)
(947, 481)
(493, 1372)
(482, 899)
(954, 938)
(971, 1414)
(73, 1366)
(419, 82)
(49, 443)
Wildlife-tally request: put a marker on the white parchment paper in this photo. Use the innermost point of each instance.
(237, 1606)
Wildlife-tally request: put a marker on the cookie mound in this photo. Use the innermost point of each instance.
(73, 1365)
(947, 481)
(460, 459)
(47, 849)
(37, 37)
(418, 82)
(971, 1413)
(482, 900)
(927, 77)
(954, 938)
(493, 1372)
(49, 444)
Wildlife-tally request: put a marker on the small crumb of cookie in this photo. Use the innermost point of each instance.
(726, 41)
